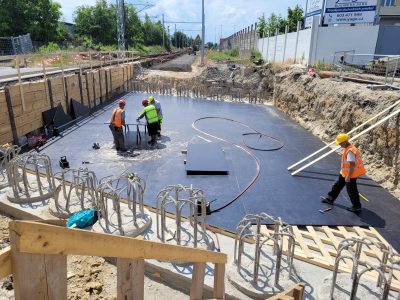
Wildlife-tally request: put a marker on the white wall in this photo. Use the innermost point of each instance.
(302, 47)
(362, 39)
(320, 43)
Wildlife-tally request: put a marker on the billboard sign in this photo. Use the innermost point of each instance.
(314, 8)
(350, 11)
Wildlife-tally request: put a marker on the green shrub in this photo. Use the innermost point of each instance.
(49, 48)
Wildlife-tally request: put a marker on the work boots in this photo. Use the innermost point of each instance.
(326, 200)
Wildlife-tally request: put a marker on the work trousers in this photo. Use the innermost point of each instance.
(119, 140)
(351, 188)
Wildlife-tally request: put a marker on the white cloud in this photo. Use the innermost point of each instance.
(231, 14)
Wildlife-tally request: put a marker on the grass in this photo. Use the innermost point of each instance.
(225, 55)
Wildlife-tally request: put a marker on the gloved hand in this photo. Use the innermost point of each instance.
(137, 120)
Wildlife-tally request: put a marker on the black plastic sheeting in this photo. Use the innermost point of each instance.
(206, 159)
(78, 110)
(296, 199)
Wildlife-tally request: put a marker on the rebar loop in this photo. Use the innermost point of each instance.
(31, 178)
(7, 153)
(109, 193)
(384, 264)
(281, 232)
(203, 89)
(177, 197)
(76, 191)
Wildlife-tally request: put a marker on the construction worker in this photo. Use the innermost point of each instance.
(117, 120)
(150, 112)
(159, 113)
(352, 167)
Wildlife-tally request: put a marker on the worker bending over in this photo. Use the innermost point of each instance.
(157, 105)
(352, 167)
(117, 120)
(150, 112)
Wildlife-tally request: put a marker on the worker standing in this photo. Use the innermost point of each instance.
(117, 120)
(157, 105)
(352, 167)
(150, 112)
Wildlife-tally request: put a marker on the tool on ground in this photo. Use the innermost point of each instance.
(64, 164)
(362, 196)
(325, 210)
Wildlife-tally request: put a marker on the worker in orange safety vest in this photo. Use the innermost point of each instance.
(117, 120)
(352, 167)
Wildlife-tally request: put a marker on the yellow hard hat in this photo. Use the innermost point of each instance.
(342, 137)
(151, 99)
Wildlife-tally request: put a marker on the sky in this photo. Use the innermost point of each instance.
(233, 15)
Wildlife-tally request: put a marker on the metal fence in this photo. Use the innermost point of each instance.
(16, 45)
(371, 68)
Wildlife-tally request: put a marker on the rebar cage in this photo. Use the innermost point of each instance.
(351, 249)
(178, 197)
(109, 193)
(281, 232)
(39, 186)
(76, 191)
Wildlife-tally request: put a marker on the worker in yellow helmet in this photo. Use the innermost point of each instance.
(352, 167)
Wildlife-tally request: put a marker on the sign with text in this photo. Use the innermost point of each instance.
(349, 11)
(314, 8)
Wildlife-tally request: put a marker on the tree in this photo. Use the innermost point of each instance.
(179, 39)
(37, 17)
(294, 15)
(98, 22)
(275, 21)
(261, 25)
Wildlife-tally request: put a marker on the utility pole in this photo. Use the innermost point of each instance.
(203, 32)
(176, 45)
(163, 32)
(121, 25)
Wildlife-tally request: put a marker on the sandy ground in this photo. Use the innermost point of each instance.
(197, 69)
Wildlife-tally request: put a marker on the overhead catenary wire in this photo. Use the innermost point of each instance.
(244, 148)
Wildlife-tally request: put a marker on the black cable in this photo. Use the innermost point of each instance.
(244, 148)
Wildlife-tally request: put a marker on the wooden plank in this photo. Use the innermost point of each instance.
(196, 289)
(303, 245)
(5, 262)
(130, 279)
(318, 241)
(49, 280)
(48, 239)
(11, 116)
(219, 281)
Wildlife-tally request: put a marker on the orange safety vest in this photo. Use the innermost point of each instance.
(116, 117)
(359, 166)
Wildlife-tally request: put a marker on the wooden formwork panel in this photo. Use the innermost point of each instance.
(90, 78)
(96, 82)
(73, 87)
(5, 126)
(58, 91)
(318, 245)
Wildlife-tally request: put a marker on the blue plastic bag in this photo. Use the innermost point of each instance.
(83, 218)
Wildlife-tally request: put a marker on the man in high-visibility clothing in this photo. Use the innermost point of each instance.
(117, 120)
(157, 105)
(150, 112)
(352, 167)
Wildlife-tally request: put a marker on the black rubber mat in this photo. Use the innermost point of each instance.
(293, 198)
(206, 159)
